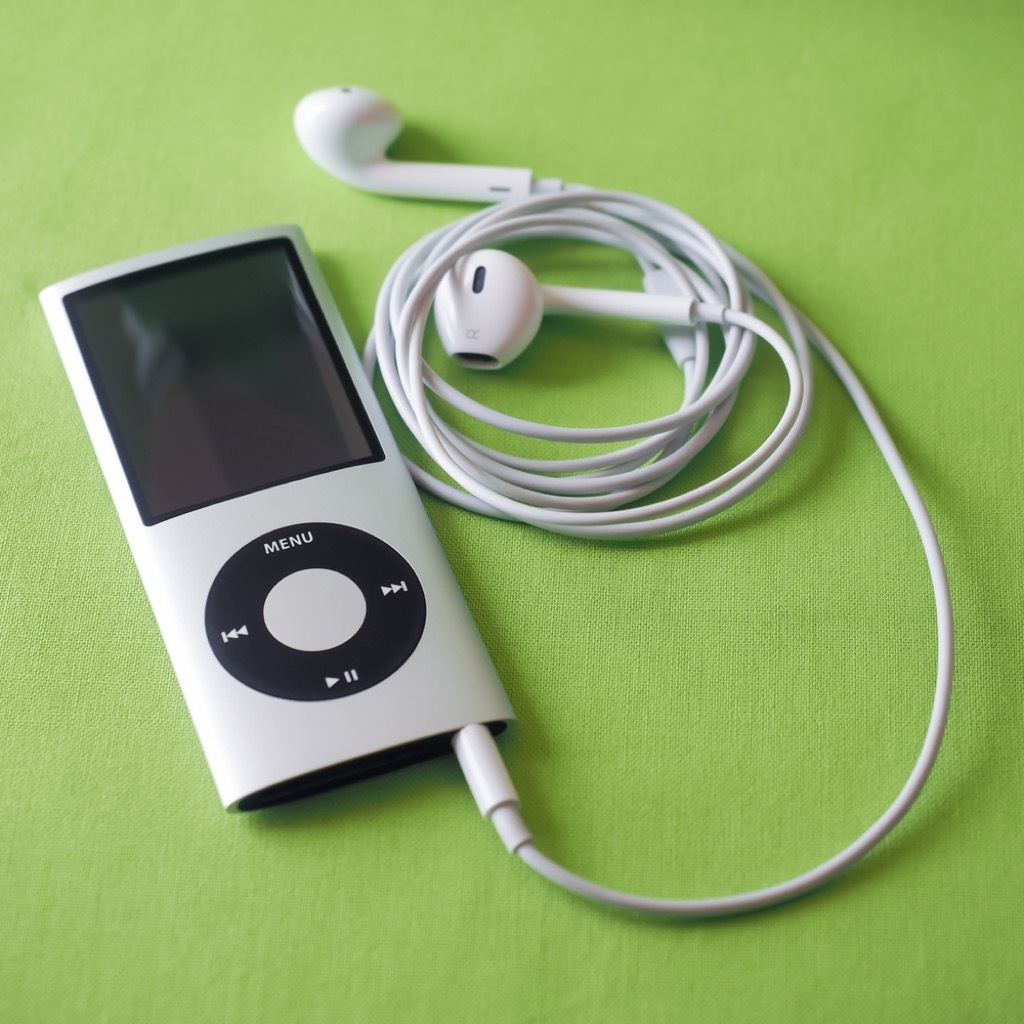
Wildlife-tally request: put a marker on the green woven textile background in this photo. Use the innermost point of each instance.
(703, 713)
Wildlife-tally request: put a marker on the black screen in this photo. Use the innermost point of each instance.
(218, 376)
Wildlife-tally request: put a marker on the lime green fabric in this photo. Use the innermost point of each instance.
(699, 714)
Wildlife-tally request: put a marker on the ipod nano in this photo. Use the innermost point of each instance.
(313, 622)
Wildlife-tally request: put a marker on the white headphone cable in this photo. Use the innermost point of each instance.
(602, 496)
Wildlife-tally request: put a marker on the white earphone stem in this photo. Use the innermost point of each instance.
(659, 309)
(440, 181)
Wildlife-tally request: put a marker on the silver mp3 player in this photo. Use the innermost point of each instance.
(311, 617)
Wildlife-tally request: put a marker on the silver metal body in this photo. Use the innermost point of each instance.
(253, 741)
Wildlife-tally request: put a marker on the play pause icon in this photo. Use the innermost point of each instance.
(350, 675)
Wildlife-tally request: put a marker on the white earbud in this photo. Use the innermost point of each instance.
(487, 309)
(489, 306)
(347, 131)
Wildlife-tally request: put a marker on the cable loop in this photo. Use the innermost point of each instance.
(592, 495)
(604, 495)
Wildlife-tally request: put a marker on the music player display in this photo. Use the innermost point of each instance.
(217, 378)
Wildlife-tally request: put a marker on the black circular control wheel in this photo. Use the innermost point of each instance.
(314, 611)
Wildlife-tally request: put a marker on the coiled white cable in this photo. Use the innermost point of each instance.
(603, 495)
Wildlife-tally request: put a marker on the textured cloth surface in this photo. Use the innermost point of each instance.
(699, 714)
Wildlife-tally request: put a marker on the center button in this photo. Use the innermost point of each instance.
(314, 610)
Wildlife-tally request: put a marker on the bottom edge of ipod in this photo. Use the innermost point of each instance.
(356, 770)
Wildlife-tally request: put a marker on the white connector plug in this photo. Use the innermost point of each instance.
(490, 784)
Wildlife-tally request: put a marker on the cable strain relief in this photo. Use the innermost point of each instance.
(711, 313)
(680, 339)
(511, 828)
(546, 186)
